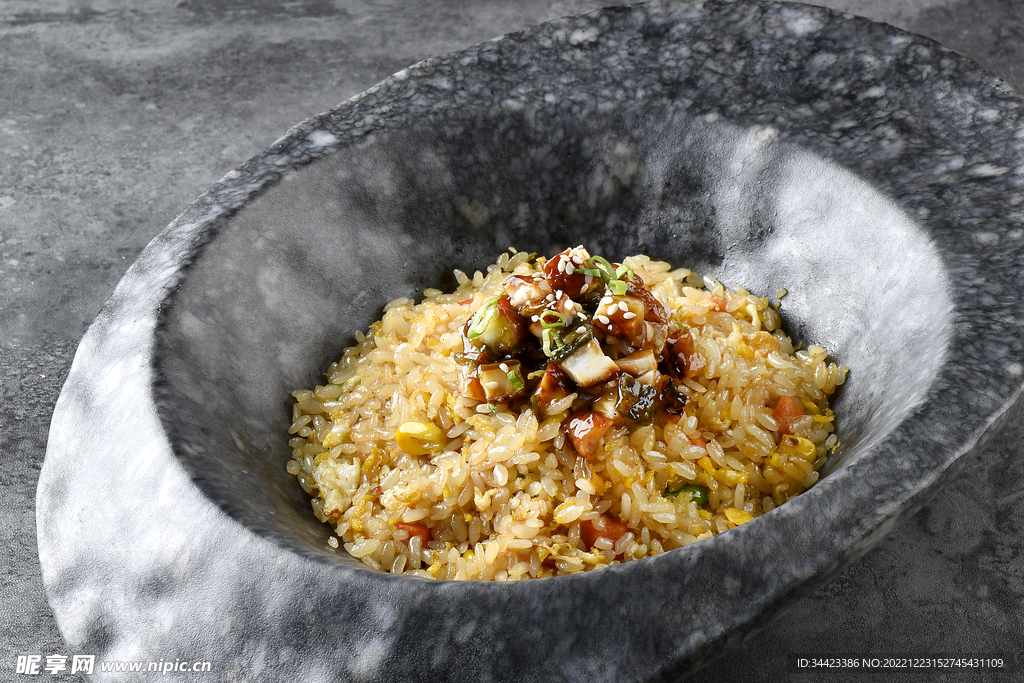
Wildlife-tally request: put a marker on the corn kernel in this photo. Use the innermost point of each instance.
(419, 438)
(738, 516)
(707, 465)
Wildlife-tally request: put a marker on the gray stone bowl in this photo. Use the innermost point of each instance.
(874, 174)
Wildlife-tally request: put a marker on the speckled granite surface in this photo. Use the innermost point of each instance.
(934, 579)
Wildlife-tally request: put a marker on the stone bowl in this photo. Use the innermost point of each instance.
(874, 174)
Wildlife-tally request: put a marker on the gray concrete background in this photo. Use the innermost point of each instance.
(115, 114)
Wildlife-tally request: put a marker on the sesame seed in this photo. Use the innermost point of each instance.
(492, 385)
(628, 315)
(603, 319)
(569, 270)
(558, 294)
(623, 306)
(549, 297)
(503, 366)
(589, 279)
(561, 266)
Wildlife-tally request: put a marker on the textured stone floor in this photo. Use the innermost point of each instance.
(115, 114)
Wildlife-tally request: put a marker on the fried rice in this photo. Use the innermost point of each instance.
(560, 438)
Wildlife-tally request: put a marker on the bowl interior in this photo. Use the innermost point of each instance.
(282, 285)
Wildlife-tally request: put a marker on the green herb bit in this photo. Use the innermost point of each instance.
(636, 400)
(617, 287)
(698, 494)
(572, 341)
(551, 341)
(595, 272)
(554, 324)
(516, 380)
(603, 264)
(483, 317)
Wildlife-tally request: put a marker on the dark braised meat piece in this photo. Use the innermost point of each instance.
(554, 386)
(562, 276)
(502, 381)
(621, 316)
(585, 429)
(672, 402)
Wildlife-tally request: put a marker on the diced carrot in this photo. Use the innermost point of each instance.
(604, 526)
(699, 441)
(786, 411)
(586, 428)
(415, 529)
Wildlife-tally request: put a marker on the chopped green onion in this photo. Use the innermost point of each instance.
(605, 266)
(483, 317)
(550, 340)
(617, 287)
(596, 272)
(560, 322)
(625, 270)
(491, 407)
(516, 380)
(604, 270)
